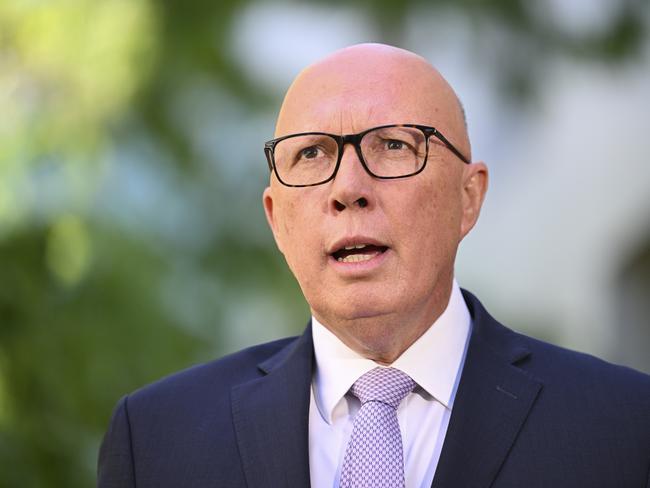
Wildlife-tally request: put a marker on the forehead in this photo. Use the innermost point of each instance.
(348, 97)
(350, 113)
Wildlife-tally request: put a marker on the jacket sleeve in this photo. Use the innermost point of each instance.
(115, 465)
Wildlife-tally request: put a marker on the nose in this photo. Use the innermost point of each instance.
(352, 188)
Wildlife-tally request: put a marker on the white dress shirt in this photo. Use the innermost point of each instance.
(434, 362)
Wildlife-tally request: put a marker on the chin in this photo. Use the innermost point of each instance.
(360, 308)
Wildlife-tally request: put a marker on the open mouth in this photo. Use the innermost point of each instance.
(358, 253)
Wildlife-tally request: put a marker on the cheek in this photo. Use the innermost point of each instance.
(294, 210)
(436, 223)
(287, 221)
(446, 204)
(296, 232)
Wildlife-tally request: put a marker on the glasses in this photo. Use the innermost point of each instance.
(386, 152)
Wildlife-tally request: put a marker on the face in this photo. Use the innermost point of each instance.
(375, 258)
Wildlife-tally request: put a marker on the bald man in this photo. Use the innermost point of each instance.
(401, 378)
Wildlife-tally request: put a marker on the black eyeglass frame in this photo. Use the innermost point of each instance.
(355, 140)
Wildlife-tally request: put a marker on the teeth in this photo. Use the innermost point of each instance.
(355, 258)
(357, 246)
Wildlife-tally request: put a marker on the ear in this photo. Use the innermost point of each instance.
(267, 201)
(475, 183)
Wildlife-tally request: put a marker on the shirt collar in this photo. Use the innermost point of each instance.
(433, 361)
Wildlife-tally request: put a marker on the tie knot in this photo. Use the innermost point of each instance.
(386, 385)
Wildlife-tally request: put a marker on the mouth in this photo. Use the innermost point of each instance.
(357, 253)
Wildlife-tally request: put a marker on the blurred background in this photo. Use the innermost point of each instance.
(132, 236)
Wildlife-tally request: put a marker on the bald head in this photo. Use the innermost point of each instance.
(371, 84)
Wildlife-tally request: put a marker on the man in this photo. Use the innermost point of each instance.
(372, 189)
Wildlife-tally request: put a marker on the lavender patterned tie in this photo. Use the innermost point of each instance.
(374, 456)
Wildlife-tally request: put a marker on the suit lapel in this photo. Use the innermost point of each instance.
(271, 418)
(493, 400)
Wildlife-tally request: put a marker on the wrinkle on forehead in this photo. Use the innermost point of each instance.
(368, 85)
(338, 114)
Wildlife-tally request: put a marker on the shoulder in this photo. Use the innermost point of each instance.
(565, 375)
(598, 409)
(208, 381)
(183, 423)
(578, 420)
(543, 358)
(576, 369)
(570, 381)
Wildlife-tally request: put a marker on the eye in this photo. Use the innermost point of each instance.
(394, 144)
(310, 152)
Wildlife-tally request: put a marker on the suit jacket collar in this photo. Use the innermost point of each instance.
(271, 418)
(493, 401)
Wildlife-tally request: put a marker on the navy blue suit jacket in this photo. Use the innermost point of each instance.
(527, 414)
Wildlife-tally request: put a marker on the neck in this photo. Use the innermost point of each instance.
(384, 338)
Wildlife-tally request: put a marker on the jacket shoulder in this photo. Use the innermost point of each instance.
(575, 368)
(212, 377)
(568, 376)
(549, 362)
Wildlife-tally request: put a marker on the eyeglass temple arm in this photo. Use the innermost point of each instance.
(451, 147)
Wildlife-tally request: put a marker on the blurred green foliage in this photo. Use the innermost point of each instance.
(131, 230)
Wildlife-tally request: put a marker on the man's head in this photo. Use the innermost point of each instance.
(381, 301)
